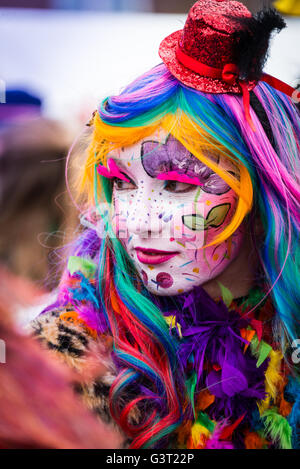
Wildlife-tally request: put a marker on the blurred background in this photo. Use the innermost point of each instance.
(59, 58)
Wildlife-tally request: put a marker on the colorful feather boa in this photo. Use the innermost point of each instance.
(235, 376)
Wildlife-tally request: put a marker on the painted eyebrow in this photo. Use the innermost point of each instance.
(112, 170)
(175, 176)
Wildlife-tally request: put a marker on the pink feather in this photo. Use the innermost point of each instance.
(214, 442)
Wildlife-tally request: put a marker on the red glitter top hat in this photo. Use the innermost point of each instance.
(203, 55)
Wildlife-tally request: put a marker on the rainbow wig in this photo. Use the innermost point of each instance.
(266, 188)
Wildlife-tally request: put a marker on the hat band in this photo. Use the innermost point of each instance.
(229, 73)
(282, 86)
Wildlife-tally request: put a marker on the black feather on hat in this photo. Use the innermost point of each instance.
(252, 42)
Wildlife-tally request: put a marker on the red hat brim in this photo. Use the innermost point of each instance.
(167, 52)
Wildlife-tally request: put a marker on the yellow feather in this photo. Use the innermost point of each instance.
(198, 433)
(171, 321)
(272, 379)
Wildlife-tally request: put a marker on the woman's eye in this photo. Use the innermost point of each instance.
(121, 185)
(178, 187)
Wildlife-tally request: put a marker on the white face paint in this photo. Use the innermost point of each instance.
(163, 224)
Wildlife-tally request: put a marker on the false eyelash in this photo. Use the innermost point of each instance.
(116, 178)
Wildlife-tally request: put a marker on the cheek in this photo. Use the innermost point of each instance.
(197, 266)
(202, 219)
(209, 217)
(209, 262)
(218, 211)
(220, 256)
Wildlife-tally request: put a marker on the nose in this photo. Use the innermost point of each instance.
(142, 216)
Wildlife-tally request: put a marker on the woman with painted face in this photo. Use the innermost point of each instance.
(186, 269)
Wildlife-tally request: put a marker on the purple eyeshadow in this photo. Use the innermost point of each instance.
(173, 156)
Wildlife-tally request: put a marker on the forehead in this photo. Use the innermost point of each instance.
(132, 152)
(161, 151)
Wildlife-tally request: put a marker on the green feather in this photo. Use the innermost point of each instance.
(227, 296)
(190, 386)
(205, 421)
(264, 351)
(79, 264)
(255, 295)
(260, 350)
(278, 428)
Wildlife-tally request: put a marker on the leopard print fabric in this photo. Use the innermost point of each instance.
(72, 343)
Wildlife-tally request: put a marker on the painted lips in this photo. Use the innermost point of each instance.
(153, 256)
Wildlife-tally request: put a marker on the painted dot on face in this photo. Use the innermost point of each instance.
(164, 280)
